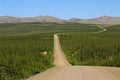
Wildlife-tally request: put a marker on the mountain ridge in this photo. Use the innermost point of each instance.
(97, 20)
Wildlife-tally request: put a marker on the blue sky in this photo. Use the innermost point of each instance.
(64, 9)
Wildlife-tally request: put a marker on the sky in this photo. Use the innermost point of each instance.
(63, 9)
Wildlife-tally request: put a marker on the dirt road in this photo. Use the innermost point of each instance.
(79, 73)
(102, 30)
(59, 56)
(64, 71)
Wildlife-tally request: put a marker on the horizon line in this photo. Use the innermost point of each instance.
(54, 16)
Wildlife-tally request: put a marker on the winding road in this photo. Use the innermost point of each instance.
(64, 70)
(102, 30)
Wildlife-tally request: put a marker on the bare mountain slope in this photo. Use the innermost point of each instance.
(99, 20)
(10, 19)
(47, 19)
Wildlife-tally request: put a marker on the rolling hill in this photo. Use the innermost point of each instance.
(10, 19)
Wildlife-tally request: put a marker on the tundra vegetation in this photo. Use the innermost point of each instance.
(27, 48)
(101, 49)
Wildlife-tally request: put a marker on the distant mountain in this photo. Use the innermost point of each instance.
(75, 20)
(10, 19)
(40, 19)
(98, 20)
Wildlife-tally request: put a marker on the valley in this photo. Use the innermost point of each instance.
(22, 48)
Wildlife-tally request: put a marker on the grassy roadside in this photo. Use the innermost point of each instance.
(95, 49)
(21, 56)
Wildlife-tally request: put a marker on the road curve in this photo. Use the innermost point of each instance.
(64, 71)
(102, 30)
